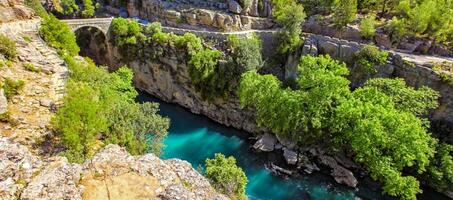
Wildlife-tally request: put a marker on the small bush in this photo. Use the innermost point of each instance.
(367, 27)
(7, 47)
(370, 56)
(12, 87)
(27, 38)
(31, 67)
(6, 117)
(246, 53)
(88, 8)
(226, 176)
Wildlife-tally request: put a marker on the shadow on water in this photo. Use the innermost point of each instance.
(194, 138)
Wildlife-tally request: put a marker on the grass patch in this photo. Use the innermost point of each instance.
(6, 117)
(31, 67)
(7, 47)
(12, 87)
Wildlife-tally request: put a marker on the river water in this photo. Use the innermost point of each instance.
(194, 138)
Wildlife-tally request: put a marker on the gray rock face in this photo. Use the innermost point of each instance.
(340, 174)
(57, 181)
(234, 7)
(265, 143)
(3, 102)
(290, 156)
(17, 166)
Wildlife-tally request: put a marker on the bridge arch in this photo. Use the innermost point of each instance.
(93, 43)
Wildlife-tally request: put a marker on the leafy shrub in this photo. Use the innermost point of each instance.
(289, 15)
(245, 53)
(367, 27)
(226, 176)
(31, 67)
(88, 8)
(12, 87)
(440, 169)
(6, 117)
(7, 47)
(58, 35)
(370, 56)
(406, 98)
(126, 31)
(101, 105)
(68, 7)
(345, 12)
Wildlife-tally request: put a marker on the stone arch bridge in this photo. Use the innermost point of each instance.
(103, 24)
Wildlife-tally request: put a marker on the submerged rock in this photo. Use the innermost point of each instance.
(265, 143)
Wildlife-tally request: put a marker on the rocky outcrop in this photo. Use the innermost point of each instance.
(198, 14)
(110, 174)
(339, 173)
(14, 10)
(265, 143)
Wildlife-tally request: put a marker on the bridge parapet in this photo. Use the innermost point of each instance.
(102, 24)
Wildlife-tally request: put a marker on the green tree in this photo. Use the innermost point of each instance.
(369, 57)
(126, 31)
(321, 82)
(289, 15)
(245, 53)
(58, 34)
(406, 98)
(345, 12)
(367, 27)
(88, 8)
(69, 7)
(385, 139)
(7, 47)
(226, 176)
(440, 170)
(79, 121)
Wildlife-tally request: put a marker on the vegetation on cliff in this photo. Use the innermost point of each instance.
(99, 106)
(385, 134)
(213, 73)
(226, 176)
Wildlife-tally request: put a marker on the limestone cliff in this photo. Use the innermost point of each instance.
(12, 10)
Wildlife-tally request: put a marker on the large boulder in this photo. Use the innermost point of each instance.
(290, 156)
(265, 143)
(234, 7)
(340, 174)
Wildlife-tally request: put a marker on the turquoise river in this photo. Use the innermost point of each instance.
(194, 138)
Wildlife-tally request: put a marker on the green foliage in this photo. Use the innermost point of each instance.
(379, 123)
(440, 170)
(99, 108)
(226, 176)
(245, 53)
(126, 31)
(345, 12)
(386, 139)
(88, 8)
(26, 38)
(289, 15)
(370, 56)
(69, 7)
(79, 121)
(31, 67)
(12, 87)
(406, 98)
(6, 117)
(7, 47)
(367, 27)
(58, 35)
(322, 83)
(127, 36)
